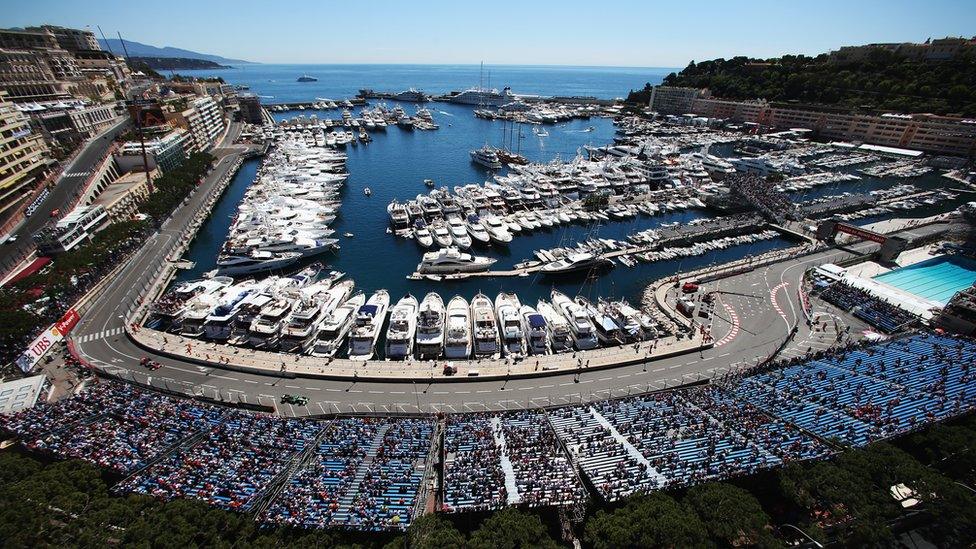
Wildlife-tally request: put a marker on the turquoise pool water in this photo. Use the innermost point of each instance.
(937, 279)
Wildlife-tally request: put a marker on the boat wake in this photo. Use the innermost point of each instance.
(445, 113)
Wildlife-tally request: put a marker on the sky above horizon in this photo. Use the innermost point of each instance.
(569, 32)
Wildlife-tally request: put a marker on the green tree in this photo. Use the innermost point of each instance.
(653, 520)
(511, 529)
(731, 515)
(429, 532)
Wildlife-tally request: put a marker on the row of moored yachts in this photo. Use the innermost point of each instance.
(323, 317)
(285, 214)
(448, 220)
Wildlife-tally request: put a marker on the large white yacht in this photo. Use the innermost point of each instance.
(452, 260)
(487, 157)
(559, 332)
(477, 229)
(430, 328)
(458, 329)
(403, 324)
(255, 262)
(332, 330)
(369, 323)
(459, 232)
(580, 325)
(486, 340)
(315, 303)
(265, 328)
(220, 321)
(489, 97)
(535, 329)
(510, 324)
(608, 332)
(574, 262)
(497, 230)
(168, 310)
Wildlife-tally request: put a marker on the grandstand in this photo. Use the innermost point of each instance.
(371, 473)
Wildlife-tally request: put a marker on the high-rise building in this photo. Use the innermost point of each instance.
(250, 106)
(73, 40)
(41, 63)
(22, 157)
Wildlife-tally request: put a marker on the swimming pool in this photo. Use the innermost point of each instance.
(936, 279)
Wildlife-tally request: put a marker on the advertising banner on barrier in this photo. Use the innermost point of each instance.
(46, 340)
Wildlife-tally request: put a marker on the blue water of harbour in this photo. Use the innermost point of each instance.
(395, 164)
(278, 83)
(936, 279)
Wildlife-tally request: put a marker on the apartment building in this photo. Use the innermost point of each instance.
(23, 157)
(41, 63)
(925, 132)
(67, 124)
(941, 49)
(205, 120)
(165, 152)
(73, 40)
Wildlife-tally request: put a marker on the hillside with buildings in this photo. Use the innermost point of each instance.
(933, 77)
(174, 63)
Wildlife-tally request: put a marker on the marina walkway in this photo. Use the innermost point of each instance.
(223, 356)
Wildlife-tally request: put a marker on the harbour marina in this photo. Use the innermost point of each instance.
(531, 221)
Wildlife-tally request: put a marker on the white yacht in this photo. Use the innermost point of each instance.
(255, 262)
(575, 262)
(332, 331)
(608, 332)
(489, 97)
(264, 330)
(451, 260)
(580, 325)
(477, 229)
(315, 303)
(442, 236)
(459, 233)
(369, 323)
(487, 157)
(458, 329)
(430, 329)
(636, 324)
(510, 324)
(398, 214)
(199, 308)
(168, 310)
(559, 332)
(536, 330)
(422, 234)
(219, 322)
(486, 340)
(497, 230)
(403, 324)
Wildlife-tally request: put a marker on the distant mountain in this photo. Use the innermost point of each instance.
(137, 49)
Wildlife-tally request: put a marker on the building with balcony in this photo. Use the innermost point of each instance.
(166, 151)
(23, 158)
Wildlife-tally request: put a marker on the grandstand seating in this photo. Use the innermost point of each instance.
(367, 474)
(514, 457)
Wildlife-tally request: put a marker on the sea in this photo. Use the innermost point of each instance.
(397, 162)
